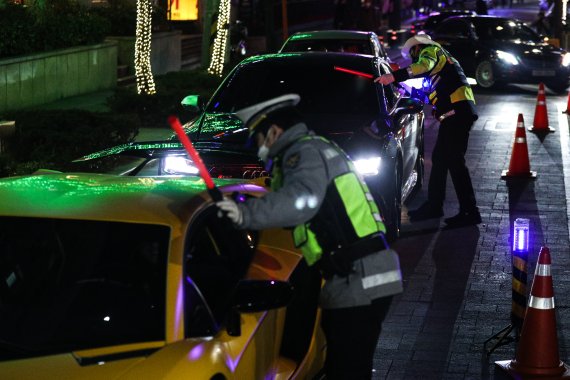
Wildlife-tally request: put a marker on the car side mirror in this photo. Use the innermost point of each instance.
(407, 106)
(252, 296)
(192, 103)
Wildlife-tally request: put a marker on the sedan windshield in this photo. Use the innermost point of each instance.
(72, 285)
(505, 30)
(330, 45)
(330, 95)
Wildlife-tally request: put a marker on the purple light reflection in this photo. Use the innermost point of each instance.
(179, 310)
(196, 353)
(246, 187)
(231, 363)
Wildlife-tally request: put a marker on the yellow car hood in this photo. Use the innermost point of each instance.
(193, 359)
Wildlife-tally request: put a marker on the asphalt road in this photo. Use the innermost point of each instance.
(458, 282)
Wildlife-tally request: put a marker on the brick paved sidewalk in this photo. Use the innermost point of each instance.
(458, 282)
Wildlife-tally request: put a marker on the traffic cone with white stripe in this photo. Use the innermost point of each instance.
(537, 352)
(519, 165)
(540, 124)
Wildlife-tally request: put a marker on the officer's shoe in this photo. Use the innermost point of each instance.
(424, 212)
(464, 218)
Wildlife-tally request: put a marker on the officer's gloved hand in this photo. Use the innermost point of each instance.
(231, 210)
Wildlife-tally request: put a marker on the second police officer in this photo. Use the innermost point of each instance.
(454, 107)
(336, 223)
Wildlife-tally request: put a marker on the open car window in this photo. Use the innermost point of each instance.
(72, 285)
(217, 256)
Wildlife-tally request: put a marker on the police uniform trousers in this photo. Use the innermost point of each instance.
(449, 155)
(352, 335)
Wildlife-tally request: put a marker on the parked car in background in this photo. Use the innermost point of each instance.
(340, 41)
(121, 277)
(429, 23)
(497, 50)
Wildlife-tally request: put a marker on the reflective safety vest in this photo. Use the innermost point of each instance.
(347, 214)
(447, 83)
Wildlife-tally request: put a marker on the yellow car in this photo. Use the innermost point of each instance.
(110, 277)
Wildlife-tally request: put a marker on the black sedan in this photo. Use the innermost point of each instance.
(381, 129)
(429, 23)
(498, 50)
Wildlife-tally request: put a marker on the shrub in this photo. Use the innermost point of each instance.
(50, 139)
(122, 15)
(153, 110)
(58, 24)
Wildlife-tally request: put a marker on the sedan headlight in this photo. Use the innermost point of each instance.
(368, 166)
(179, 165)
(507, 57)
(566, 59)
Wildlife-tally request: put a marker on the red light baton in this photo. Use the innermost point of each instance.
(214, 192)
(354, 72)
(370, 76)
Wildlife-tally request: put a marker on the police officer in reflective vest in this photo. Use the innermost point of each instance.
(336, 224)
(454, 107)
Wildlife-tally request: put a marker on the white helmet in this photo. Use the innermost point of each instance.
(419, 39)
(253, 115)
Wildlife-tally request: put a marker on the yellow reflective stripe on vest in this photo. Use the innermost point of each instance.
(364, 220)
(462, 93)
(306, 240)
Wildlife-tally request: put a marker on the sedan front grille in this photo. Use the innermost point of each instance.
(541, 62)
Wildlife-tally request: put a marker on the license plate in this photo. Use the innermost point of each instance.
(543, 73)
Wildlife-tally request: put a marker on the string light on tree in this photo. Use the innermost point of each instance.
(221, 40)
(143, 72)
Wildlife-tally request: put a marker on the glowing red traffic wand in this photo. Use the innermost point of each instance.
(193, 153)
(354, 72)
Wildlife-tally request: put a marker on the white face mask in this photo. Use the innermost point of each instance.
(263, 152)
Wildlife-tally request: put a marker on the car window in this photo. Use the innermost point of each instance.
(433, 21)
(328, 95)
(71, 285)
(453, 29)
(505, 30)
(329, 45)
(217, 256)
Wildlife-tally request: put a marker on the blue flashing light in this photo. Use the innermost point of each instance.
(521, 235)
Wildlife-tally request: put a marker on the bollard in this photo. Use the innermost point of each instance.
(519, 280)
(521, 232)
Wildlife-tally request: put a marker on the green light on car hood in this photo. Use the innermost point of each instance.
(266, 57)
(301, 36)
(62, 192)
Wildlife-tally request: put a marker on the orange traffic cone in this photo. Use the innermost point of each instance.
(519, 165)
(537, 351)
(567, 106)
(540, 123)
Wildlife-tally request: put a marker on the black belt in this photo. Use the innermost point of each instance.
(339, 261)
(363, 247)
